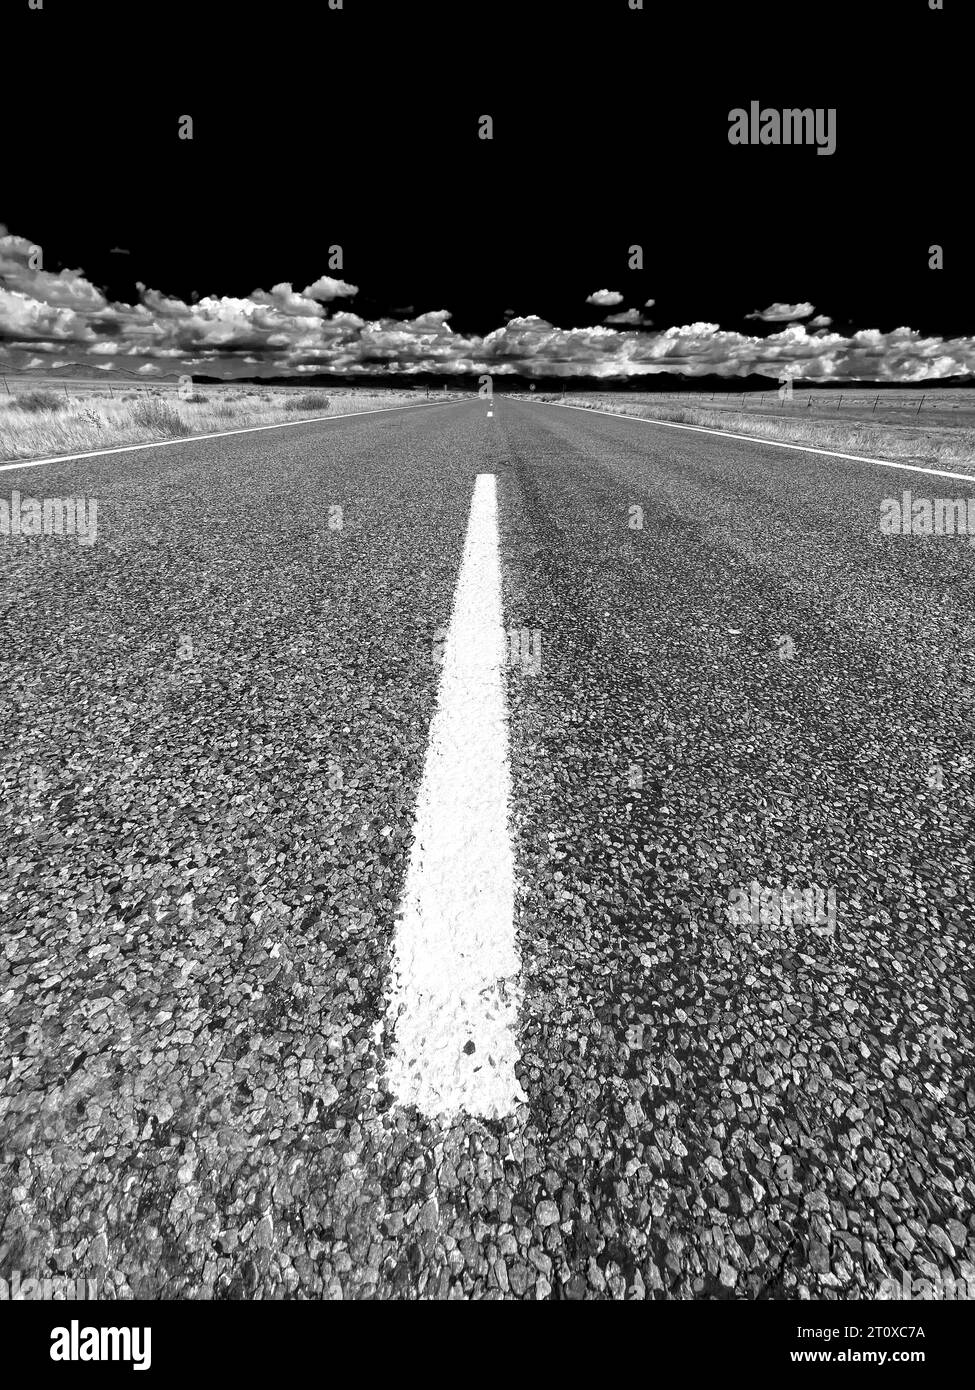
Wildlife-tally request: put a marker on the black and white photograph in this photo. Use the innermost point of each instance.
(487, 680)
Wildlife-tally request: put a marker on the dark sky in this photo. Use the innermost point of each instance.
(359, 127)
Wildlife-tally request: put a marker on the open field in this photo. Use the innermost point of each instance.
(41, 419)
(909, 426)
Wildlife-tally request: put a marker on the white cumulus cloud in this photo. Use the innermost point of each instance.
(326, 288)
(781, 313)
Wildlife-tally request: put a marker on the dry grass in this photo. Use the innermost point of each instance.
(928, 444)
(310, 400)
(35, 401)
(159, 418)
(41, 424)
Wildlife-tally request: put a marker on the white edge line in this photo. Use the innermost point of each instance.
(773, 443)
(223, 434)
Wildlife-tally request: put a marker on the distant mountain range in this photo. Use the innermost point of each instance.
(510, 382)
(84, 371)
(507, 382)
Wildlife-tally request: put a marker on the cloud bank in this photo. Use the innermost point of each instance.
(61, 316)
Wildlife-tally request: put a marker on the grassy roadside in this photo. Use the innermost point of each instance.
(41, 423)
(929, 445)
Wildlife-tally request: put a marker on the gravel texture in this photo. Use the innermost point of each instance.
(210, 746)
(758, 1111)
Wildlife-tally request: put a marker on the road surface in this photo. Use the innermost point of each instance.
(213, 741)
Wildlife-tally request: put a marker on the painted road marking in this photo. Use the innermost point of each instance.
(454, 990)
(773, 443)
(222, 434)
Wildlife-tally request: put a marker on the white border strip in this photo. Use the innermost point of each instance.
(223, 434)
(773, 443)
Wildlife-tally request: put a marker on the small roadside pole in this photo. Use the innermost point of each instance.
(918, 411)
(65, 388)
(875, 404)
(5, 386)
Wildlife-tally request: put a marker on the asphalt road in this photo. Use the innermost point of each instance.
(212, 735)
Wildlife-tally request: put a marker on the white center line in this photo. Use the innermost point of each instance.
(454, 990)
